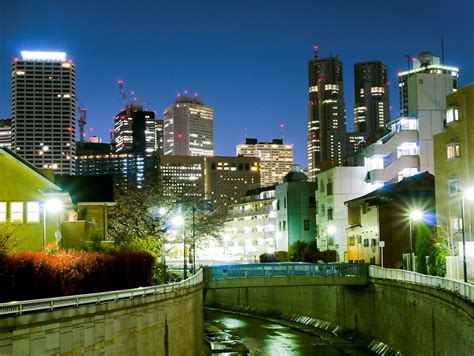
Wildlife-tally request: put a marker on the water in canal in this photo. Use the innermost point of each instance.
(266, 338)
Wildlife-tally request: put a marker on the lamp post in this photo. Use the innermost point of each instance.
(469, 195)
(52, 205)
(179, 221)
(415, 215)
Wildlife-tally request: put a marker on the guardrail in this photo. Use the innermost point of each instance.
(19, 307)
(283, 270)
(466, 290)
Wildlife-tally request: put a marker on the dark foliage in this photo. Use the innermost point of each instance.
(34, 275)
(279, 256)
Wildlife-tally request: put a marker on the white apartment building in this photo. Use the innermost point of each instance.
(188, 128)
(408, 148)
(334, 187)
(276, 158)
(44, 109)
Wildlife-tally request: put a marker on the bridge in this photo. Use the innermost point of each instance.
(413, 313)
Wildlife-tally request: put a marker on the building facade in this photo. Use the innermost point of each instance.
(188, 128)
(159, 137)
(6, 133)
(454, 165)
(296, 208)
(251, 229)
(372, 103)
(334, 187)
(135, 130)
(326, 114)
(227, 179)
(276, 158)
(408, 147)
(43, 110)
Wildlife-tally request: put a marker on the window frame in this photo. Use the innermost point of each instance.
(456, 151)
(37, 213)
(17, 221)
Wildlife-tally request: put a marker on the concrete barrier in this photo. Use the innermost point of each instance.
(414, 319)
(168, 323)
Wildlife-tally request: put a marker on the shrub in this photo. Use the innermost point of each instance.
(34, 275)
(279, 256)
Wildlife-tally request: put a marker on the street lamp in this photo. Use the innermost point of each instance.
(331, 230)
(54, 206)
(469, 195)
(415, 215)
(178, 221)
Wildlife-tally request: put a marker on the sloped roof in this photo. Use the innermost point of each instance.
(88, 189)
(402, 188)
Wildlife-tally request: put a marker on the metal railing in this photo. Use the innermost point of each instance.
(23, 306)
(466, 290)
(283, 270)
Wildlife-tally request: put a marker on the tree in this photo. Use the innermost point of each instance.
(7, 241)
(296, 251)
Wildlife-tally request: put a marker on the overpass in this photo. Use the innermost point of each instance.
(414, 313)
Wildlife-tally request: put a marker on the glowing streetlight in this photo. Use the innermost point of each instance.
(178, 221)
(469, 195)
(415, 215)
(54, 206)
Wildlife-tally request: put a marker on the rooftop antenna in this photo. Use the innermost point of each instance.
(409, 60)
(282, 127)
(315, 50)
(442, 49)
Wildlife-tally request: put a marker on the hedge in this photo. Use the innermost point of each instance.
(34, 275)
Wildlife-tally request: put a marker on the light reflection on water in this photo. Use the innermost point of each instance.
(232, 323)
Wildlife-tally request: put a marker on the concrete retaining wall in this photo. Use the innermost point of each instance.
(170, 324)
(413, 319)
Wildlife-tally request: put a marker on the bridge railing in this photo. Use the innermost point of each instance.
(283, 270)
(19, 307)
(466, 290)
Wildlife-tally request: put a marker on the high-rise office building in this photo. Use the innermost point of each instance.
(326, 113)
(159, 137)
(276, 158)
(372, 103)
(6, 133)
(188, 128)
(135, 130)
(43, 110)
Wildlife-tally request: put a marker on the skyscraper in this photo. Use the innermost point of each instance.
(188, 128)
(326, 113)
(135, 130)
(372, 104)
(6, 133)
(276, 158)
(43, 110)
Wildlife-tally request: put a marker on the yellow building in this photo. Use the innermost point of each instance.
(454, 173)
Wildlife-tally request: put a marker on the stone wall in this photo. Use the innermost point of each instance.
(413, 319)
(170, 324)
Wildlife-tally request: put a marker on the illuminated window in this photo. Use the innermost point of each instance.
(16, 212)
(452, 115)
(33, 211)
(453, 151)
(3, 211)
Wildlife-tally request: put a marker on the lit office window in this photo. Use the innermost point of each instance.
(33, 212)
(3, 211)
(16, 212)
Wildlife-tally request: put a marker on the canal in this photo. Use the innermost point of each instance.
(263, 337)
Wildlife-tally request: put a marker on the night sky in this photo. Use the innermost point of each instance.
(247, 59)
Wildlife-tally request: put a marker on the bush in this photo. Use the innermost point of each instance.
(279, 256)
(308, 252)
(34, 275)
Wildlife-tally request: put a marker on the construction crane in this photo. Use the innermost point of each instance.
(82, 122)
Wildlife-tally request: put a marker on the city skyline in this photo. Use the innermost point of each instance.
(238, 69)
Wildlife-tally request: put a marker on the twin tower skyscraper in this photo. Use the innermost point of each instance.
(328, 140)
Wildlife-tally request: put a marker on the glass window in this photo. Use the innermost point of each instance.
(33, 212)
(16, 212)
(306, 225)
(453, 151)
(3, 211)
(452, 114)
(366, 242)
(454, 187)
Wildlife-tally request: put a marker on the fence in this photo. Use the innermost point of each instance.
(466, 290)
(19, 307)
(283, 270)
